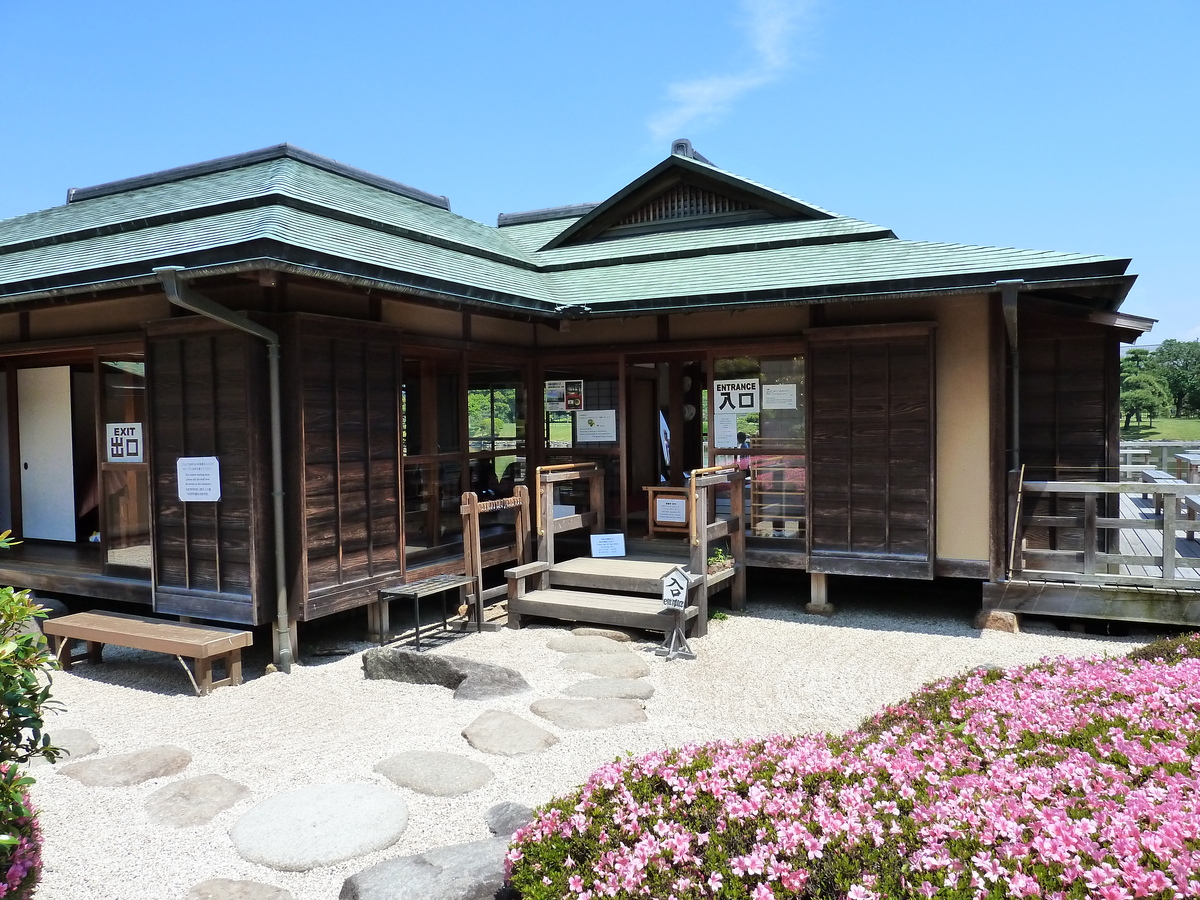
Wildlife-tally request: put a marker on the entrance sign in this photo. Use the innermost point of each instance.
(604, 545)
(596, 425)
(124, 442)
(670, 509)
(199, 478)
(779, 396)
(675, 588)
(736, 396)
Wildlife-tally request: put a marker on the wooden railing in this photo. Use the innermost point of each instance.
(704, 527)
(473, 557)
(1161, 453)
(1097, 556)
(549, 524)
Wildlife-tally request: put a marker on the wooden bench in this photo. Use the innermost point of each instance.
(379, 619)
(1158, 476)
(1192, 506)
(203, 644)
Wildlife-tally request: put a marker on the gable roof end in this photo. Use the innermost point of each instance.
(671, 172)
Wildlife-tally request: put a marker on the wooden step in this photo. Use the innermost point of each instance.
(645, 613)
(632, 576)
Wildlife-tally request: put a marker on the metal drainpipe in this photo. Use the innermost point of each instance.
(179, 293)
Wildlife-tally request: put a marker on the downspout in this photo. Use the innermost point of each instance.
(1008, 300)
(180, 294)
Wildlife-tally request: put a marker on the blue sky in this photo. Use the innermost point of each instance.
(1057, 124)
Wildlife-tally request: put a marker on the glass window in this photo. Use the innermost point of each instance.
(124, 469)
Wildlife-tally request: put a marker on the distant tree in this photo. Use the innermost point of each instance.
(1142, 389)
(1177, 364)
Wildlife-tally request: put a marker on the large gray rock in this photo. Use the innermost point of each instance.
(588, 715)
(193, 801)
(228, 889)
(320, 825)
(129, 768)
(470, 680)
(75, 742)
(506, 817)
(506, 734)
(473, 871)
(607, 665)
(612, 688)
(585, 643)
(435, 773)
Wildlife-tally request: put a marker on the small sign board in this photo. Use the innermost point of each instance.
(124, 442)
(608, 545)
(779, 396)
(675, 588)
(736, 396)
(199, 478)
(596, 425)
(670, 509)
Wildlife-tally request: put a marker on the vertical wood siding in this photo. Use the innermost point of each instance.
(871, 456)
(205, 399)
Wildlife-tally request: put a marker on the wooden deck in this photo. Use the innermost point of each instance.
(69, 569)
(1149, 541)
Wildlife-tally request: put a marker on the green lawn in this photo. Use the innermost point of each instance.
(1163, 429)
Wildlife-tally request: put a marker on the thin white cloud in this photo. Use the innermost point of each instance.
(770, 25)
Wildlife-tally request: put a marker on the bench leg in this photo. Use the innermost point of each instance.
(378, 624)
(204, 675)
(95, 650)
(233, 664)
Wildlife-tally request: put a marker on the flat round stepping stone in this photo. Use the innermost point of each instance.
(194, 801)
(607, 665)
(459, 872)
(506, 734)
(435, 773)
(506, 817)
(585, 643)
(320, 825)
(589, 715)
(612, 689)
(228, 889)
(129, 768)
(611, 633)
(76, 743)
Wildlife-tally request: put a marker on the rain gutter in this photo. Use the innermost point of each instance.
(182, 295)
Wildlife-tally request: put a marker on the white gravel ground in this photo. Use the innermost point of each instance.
(770, 670)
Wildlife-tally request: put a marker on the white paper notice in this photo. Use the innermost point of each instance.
(779, 396)
(199, 478)
(608, 545)
(736, 396)
(725, 430)
(556, 396)
(670, 509)
(596, 425)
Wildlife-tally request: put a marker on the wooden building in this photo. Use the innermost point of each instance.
(164, 336)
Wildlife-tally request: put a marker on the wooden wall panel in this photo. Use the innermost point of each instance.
(871, 454)
(206, 393)
(348, 540)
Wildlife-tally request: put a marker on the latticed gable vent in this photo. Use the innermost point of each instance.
(684, 201)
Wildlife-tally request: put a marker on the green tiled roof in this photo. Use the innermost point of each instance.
(283, 205)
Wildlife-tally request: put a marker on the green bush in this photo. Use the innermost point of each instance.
(1171, 649)
(25, 663)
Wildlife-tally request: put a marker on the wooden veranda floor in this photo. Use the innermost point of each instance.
(1149, 542)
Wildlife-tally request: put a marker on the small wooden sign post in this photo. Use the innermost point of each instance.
(675, 585)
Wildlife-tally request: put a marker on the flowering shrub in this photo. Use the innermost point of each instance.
(1068, 779)
(22, 854)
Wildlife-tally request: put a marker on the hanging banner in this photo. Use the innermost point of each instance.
(736, 396)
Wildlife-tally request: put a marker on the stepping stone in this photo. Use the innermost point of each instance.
(75, 741)
(606, 665)
(320, 825)
(589, 715)
(505, 818)
(129, 768)
(434, 773)
(194, 801)
(470, 680)
(506, 734)
(228, 889)
(612, 689)
(459, 872)
(611, 633)
(586, 643)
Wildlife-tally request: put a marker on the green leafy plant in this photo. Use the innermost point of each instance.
(718, 559)
(25, 664)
